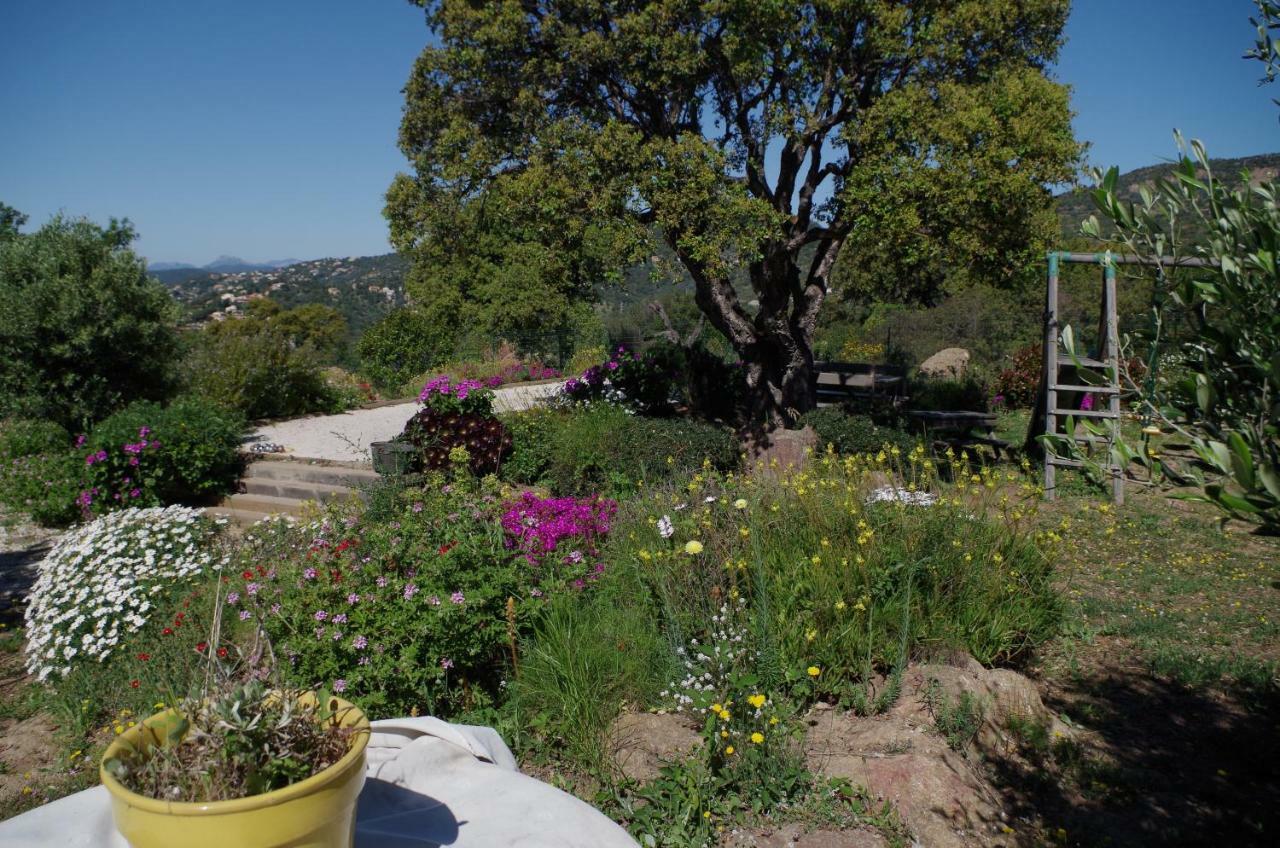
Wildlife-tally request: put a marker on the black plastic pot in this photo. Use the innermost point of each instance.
(393, 459)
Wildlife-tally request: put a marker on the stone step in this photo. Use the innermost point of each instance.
(239, 517)
(298, 491)
(302, 472)
(266, 504)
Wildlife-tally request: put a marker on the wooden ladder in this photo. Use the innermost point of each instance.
(1056, 358)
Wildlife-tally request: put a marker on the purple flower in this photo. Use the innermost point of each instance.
(133, 493)
(381, 581)
(81, 439)
(434, 600)
(133, 460)
(337, 635)
(234, 598)
(320, 615)
(362, 661)
(319, 632)
(245, 615)
(353, 598)
(409, 591)
(418, 506)
(457, 597)
(537, 593)
(359, 643)
(275, 609)
(251, 589)
(446, 663)
(309, 573)
(340, 685)
(143, 432)
(340, 618)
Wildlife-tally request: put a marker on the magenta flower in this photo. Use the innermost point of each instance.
(320, 615)
(309, 573)
(446, 663)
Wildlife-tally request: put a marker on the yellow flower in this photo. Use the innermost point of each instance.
(729, 750)
(706, 814)
(810, 635)
(756, 701)
(715, 708)
(740, 503)
(693, 547)
(757, 737)
(724, 734)
(839, 605)
(773, 720)
(814, 671)
(744, 532)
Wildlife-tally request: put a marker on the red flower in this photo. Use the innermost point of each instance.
(201, 647)
(144, 657)
(167, 631)
(246, 574)
(134, 683)
(342, 546)
(445, 548)
(222, 653)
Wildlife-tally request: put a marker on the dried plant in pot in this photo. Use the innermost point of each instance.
(240, 763)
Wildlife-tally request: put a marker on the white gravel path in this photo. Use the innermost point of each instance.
(346, 437)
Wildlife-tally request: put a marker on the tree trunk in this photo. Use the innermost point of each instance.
(776, 343)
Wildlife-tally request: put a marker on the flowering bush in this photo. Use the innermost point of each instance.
(639, 382)
(418, 608)
(453, 416)
(103, 580)
(540, 528)
(441, 394)
(1018, 385)
(148, 455)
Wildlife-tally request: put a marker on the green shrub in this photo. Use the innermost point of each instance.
(27, 437)
(968, 394)
(83, 329)
(604, 448)
(855, 433)
(256, 369)
(148, 455)
(43, 485)
(587, 658)
(406, 343)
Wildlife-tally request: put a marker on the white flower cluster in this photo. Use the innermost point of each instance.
(906, 496)
(101, 580)
(708, 668)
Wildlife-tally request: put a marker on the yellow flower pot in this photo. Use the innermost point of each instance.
(318, 812)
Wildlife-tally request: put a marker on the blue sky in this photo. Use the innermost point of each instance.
(267, 129)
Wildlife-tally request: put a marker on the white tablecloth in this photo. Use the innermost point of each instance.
(430, 783)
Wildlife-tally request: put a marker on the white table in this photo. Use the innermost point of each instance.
(429, 783)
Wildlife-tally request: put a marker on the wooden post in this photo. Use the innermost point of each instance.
(1111, 353)
(1050, 373)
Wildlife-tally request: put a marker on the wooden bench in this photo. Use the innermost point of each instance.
(837, 383)
(961, 429)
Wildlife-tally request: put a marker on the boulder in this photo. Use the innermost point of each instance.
(783, 449)
(644, 742)
(950, 363)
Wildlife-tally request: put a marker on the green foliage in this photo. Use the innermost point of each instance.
(852, 125)
(83, 330)
(186, 452)
(959, 720)
(850, 433)
(840, 581)
(603, 448)
(415, 608)
(585, 660)
(969, 394)
(406, 343)
(39, 474)
(1228, 404)
(253, 366)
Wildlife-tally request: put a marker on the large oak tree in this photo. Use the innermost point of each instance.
(763, 134)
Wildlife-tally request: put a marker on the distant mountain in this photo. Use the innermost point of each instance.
(1075, 207)
(363, 288)
(167, 266)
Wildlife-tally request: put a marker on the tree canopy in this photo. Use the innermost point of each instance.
(83, 329)
(757, 133)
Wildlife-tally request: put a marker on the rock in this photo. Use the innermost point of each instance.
(644, 742)
(950, 363)
(783, 449)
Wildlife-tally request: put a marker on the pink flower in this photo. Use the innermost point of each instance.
(340, 685)
(457, 597)
(409, 591)
(446, 663)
